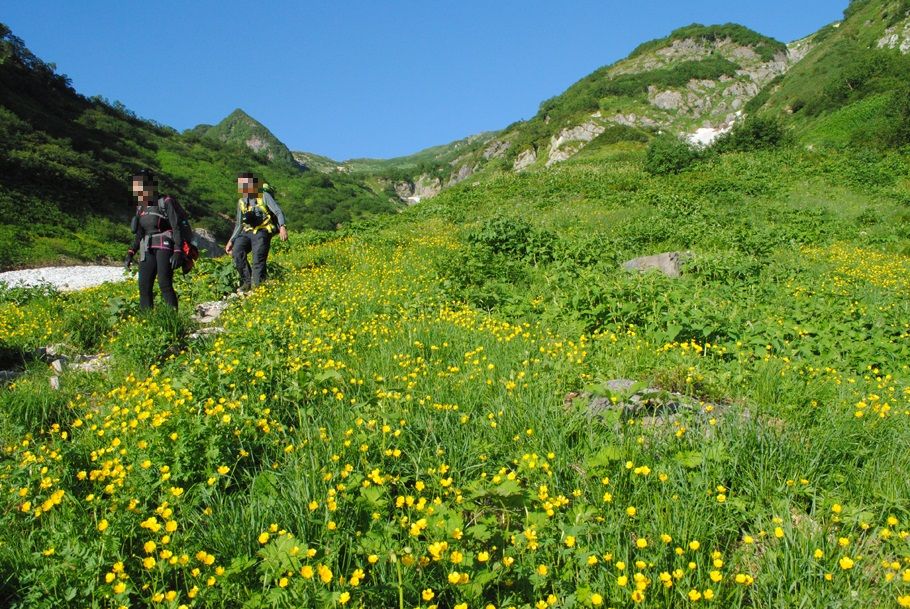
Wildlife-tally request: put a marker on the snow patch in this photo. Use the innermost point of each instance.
(65, 278)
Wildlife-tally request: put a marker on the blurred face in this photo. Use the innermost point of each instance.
(247, 185)
(142, 190)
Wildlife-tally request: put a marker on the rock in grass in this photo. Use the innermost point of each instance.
(207, 312)
(668, 263)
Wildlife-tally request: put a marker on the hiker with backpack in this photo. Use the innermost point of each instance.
(258, 218)
(162, 239)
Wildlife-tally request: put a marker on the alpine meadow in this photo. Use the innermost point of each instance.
(455, 391)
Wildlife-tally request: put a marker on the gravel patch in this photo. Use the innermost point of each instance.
(65, 278)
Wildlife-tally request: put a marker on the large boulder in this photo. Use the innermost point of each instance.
(668, 263)
(207, 244)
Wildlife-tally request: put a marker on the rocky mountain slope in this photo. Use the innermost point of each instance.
(241, 129)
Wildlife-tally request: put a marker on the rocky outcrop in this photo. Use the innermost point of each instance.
(206, 242)
(461, 174)
(525, 159)
(414, 191)
(569, 141)
(496, 149)
(897, 36)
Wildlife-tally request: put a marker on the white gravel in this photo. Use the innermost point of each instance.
(65, 278)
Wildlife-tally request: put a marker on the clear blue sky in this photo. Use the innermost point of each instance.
(354, 78)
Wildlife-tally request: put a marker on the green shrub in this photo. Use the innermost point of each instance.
(516, 238)
(755, 133)
(668, 154)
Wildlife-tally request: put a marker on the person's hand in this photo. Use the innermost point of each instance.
(176, 260)
(229, 247)
(283, 233)
(128, 262)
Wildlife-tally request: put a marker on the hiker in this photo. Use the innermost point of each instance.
(258, 217)
(159, 240)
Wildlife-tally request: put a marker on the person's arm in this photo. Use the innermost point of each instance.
(136, 227)
(238, 226)
(174, 220)
(273, 206)
(137, 240)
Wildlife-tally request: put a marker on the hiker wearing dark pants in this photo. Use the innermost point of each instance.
(158, 240)
(258, 218)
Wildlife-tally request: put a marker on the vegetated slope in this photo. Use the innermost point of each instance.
(65, 162)
(853, 87)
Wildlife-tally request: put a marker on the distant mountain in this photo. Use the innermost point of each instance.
(241, 129)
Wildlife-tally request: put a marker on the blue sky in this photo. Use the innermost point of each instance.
(353, 78)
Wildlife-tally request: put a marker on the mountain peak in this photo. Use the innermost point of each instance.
(241, 129)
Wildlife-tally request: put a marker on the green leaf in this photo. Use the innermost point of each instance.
(605, 456)
(689, 458)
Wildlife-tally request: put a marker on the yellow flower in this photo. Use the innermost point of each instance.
(904, 601)
(641, 542)
(427, 594)
(263, 538)
(119, 587)
(778, 532)
(631, 511)
(483, 556)
(102, 526)
(845, 563)
(638, 596)
(344, 597)
(306, 572)
(542, 570)
(148, 562)
(454, 577)
(283, 582)
(622, 580)
(818, 553)
(597, 599)
(694, 545)
(372, 559)
(325, 574)
(570, 541)
(694, 595)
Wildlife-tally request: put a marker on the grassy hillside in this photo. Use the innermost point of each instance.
(849, 89)
(397, 419)
(66, 161)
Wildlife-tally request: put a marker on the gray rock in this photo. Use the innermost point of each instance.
(207, 244)
(526, 158)
(58, 365)
(54, 382)
(464, 172)
(496, 149)
(209, 331)
(93, 363)
(668, 263)
(207, 312)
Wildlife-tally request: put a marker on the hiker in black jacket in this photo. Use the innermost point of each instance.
(258, 217)
(158, 240)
